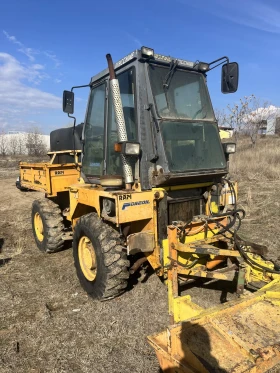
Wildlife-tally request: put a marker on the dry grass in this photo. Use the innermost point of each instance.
(261, 162)
(11, 161)
(257, 170)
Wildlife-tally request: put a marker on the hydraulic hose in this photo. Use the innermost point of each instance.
(226, 228)
(252, 261)
(234, 213)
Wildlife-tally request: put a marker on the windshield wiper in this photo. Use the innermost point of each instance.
(169, 75)
(200, 111)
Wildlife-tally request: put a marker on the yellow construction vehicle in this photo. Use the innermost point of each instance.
(147, 174)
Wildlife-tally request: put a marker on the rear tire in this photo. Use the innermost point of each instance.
(100, 260)
(47, 225)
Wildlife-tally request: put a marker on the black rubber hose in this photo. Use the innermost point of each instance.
(233, 212)
(233, 191)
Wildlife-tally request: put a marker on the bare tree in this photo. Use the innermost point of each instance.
(14, 144)
(237, 113)
(34, 142)
(22, 143)
(3, 143)
(259, 114)
(221, 117)
(249, 116)
(277, 126)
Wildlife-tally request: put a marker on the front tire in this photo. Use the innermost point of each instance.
(47, 225)
(100, 260)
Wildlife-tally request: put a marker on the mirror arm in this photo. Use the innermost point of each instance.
(80, 86)
(77, 86)
(70, 116)
(221, 60)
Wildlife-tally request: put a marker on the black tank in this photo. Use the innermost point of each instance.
(66, 139)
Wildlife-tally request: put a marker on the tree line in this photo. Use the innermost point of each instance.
(249, 116)
(31, 143)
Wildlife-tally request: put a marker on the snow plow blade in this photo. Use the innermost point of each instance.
(237, 337)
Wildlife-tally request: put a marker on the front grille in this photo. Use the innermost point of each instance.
(184, 210)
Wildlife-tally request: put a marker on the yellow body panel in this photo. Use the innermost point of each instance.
(225, 134)
(135, 206)
(49, 178)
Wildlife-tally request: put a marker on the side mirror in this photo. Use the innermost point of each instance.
(68, 102)
(230, 76)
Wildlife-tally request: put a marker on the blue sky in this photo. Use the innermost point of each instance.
(49, 46)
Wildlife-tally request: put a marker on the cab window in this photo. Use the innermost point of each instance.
(93, 158)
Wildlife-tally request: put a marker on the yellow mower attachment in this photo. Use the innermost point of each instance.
(237, 337)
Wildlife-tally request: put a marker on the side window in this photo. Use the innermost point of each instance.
(93, 158)
(127, 89)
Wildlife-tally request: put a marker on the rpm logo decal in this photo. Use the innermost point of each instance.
(138, 203)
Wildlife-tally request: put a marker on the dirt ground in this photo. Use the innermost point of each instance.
(48, 323)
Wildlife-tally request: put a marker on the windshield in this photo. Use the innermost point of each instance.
(192, 146)
(185, 97)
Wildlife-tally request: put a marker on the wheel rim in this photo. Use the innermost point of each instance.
(39, 227)
(87, 258)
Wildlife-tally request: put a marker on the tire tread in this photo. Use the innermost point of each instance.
(115, 258)
(53, 219)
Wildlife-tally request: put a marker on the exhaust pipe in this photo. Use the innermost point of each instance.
(122, 134)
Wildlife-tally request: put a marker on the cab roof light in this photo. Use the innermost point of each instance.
(147, 52)
(203, 66)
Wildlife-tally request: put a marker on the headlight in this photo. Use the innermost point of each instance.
(131, 148)
(147, 52)
(229, 147)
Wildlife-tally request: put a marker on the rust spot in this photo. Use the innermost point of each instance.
(157, 194)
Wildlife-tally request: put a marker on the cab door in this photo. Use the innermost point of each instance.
(93, 162)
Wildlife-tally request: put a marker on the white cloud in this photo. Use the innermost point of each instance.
(57, 81)
(17, 96)
(257, 14)
(52, 57)
(30, 52)
(134, 39)
(262, 113)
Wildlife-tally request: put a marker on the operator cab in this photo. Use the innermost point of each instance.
(167, 109)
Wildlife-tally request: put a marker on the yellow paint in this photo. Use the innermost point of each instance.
(183, 306)
(186, 257)
(49, 178)
(87, 258)
(165, 246)
(154, 257)
(173, 349)
(137, 206)
(214, 207)
(39, 227)
(255, 273)
(187, 186)
(225, 134)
